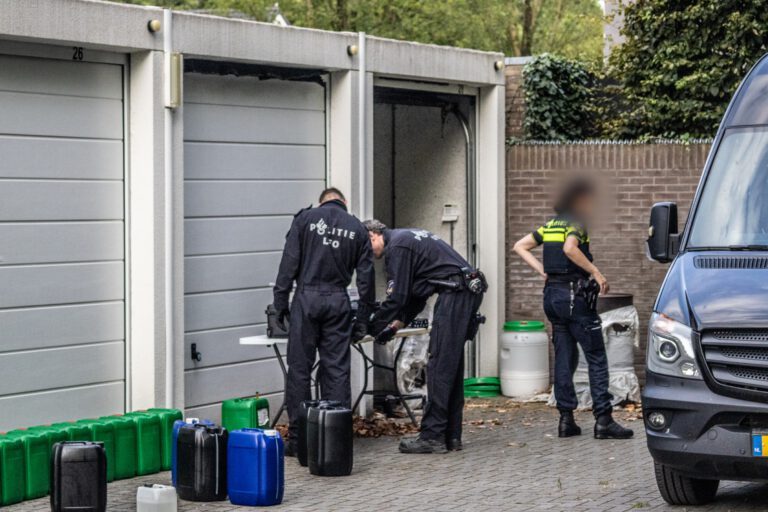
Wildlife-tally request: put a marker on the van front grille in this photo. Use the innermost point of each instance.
(737, 357)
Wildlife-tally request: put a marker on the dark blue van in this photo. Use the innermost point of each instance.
(706, 396)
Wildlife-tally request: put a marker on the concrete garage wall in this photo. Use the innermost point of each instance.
(635, 176)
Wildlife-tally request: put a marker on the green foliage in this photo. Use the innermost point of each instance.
(682, 61)
(572, 28)
(559, 99)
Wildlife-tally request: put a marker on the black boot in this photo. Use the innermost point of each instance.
(568, 426)
(607, 428)
(289, 449)
(419, 445)
(454, 445)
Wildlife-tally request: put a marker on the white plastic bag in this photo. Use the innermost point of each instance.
(621, 332)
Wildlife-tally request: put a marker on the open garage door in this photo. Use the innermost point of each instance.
(254, 154)
(62, 269)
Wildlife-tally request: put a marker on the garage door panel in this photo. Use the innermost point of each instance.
(61, 405)
(37, 370)
(218, 123)
(46, 327)
(226, 309)
(253, 161)
(212, 385)
(62, 231)
(255, 156)
(60, 200)
(40, 285)
(239, 198)
(60, 77)
(222, 346)
(228, 235)
(41, 115)
(61, 242)
(252, 92)
(230, 272)
(36, 157)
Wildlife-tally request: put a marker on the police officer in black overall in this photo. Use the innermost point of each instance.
(323, 248)
(570, 299)
(419, 264)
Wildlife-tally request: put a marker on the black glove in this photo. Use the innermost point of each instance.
(385, 335)
(359, 331)
(282, 316)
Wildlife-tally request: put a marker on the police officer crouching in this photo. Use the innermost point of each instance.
(323, 248)
(419, 264)
(570, 303)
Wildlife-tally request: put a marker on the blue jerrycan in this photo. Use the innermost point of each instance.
(256, 468)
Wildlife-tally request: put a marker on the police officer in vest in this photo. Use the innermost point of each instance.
(323, 248)
(419, 264)
(570, 299)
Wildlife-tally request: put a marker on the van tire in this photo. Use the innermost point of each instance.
(677, 489)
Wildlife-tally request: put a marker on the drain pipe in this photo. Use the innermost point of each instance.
(471, 223)
(168, 197)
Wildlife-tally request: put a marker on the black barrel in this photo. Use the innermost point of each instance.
(301, 442)
(201, 460)
(78, 477)
(329, 440)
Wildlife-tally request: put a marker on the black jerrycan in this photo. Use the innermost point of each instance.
(78, 477)
(201, 460)
(329, 440)
(301, 442)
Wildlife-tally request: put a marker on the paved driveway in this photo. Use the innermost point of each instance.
(511, 462)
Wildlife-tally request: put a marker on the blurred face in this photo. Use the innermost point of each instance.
(377, 242)
(584, 206)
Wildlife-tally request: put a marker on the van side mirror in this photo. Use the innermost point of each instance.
(663, 239)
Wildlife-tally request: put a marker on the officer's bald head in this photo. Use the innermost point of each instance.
(331, 194)
(376, 230)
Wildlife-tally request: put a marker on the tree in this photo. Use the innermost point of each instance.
(572, 28)
(682, 61)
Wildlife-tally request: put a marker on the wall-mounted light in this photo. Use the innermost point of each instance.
(498, 65)
(352, 50)
(154, 26)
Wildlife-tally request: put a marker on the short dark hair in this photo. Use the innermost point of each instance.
(326, 194)
(375, 226)
(572, 192)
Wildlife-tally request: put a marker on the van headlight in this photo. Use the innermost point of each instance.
(670, 348)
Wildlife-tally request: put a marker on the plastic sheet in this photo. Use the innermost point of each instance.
(621, 332)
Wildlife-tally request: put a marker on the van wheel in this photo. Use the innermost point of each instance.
(677, 489)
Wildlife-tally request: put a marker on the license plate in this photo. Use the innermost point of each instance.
(760, 443)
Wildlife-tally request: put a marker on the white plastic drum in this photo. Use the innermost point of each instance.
(524, 359)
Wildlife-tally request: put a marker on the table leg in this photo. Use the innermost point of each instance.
(283, 406)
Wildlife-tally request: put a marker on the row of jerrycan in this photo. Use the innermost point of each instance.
(211, 463)
(137, 443)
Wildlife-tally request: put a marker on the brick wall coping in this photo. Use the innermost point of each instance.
(607, 142)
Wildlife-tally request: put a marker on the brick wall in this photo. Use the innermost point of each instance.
(633, 177)
(515, 99)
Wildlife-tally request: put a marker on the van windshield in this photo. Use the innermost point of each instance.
(733, 210)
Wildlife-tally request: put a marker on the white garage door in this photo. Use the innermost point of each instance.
(254, 154)
(62, 272)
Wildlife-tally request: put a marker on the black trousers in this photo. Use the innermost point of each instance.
(321, 322)
(574, 322)
(444, 411)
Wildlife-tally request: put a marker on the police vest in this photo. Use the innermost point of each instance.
(552, 235)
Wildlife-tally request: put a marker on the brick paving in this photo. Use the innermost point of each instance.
(512, 461)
